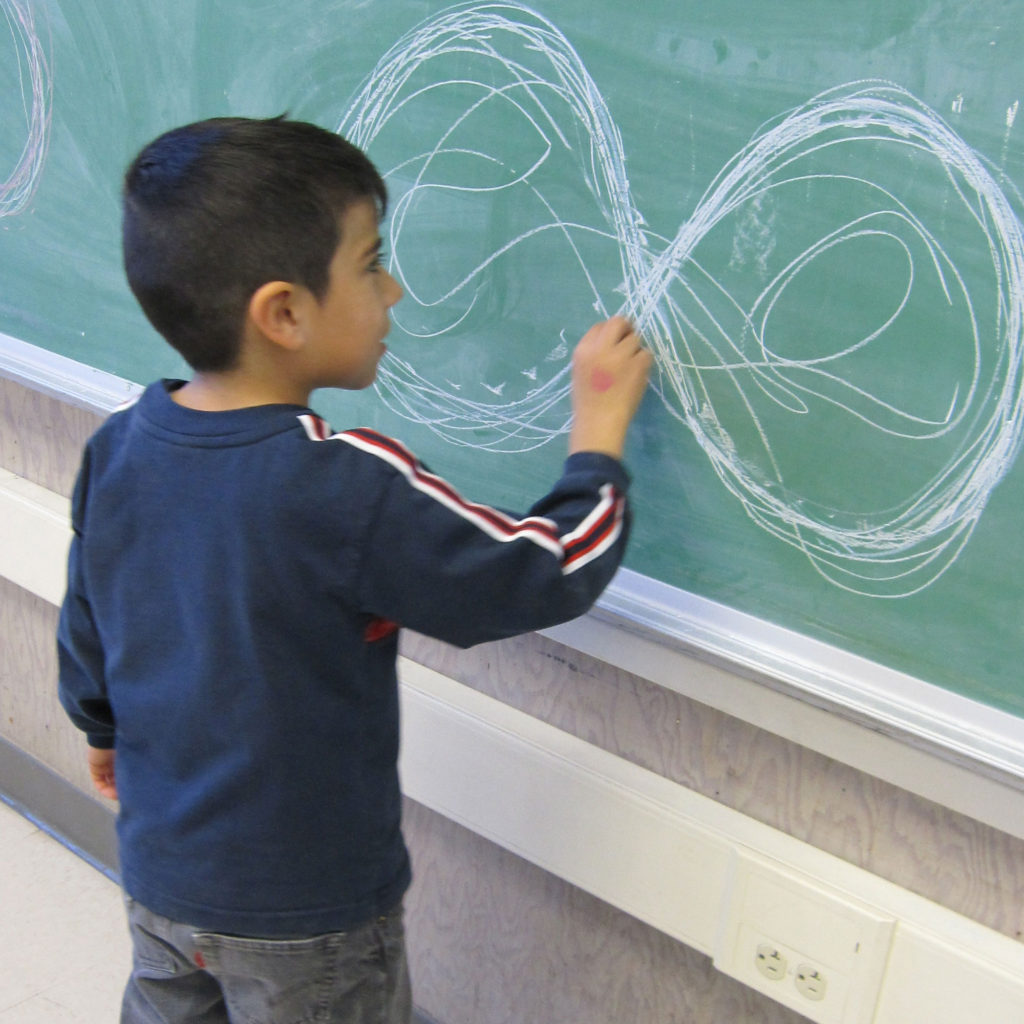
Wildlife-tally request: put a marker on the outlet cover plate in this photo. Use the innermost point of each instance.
(810, 923)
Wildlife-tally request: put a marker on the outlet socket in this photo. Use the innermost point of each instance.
(770, 962)
(810, 983)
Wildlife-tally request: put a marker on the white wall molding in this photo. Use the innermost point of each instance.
(35, 534)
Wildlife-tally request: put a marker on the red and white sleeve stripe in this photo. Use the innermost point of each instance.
(589, 540)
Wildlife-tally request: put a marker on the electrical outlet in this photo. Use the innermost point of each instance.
(811, 948)
(810, 982)
(770, 962)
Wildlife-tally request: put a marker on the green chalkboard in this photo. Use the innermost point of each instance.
(811, 207)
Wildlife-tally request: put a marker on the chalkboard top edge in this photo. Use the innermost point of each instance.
(64, 378)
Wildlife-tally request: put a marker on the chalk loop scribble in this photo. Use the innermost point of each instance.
(29, 132)
(788, 314)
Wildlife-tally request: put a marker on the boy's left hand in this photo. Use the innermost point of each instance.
(101, 768)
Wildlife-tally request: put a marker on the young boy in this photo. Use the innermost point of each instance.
(239, 572)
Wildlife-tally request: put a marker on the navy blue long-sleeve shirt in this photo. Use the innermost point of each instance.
(234, 587)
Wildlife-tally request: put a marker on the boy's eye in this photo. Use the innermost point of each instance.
(378, 261)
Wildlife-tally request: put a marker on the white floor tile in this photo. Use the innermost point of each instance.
(64, 946)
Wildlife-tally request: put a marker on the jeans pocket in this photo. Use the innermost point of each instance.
(270, 980)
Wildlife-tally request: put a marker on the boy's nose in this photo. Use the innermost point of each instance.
(396, 290)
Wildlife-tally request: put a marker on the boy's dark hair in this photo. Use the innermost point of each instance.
(215, 209)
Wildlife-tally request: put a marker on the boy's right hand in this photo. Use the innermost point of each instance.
(610, 368)
(101, 770)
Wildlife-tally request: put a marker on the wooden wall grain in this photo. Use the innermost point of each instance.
(41, 438)
(495, 940)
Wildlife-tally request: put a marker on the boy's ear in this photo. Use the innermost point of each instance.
(275, 310)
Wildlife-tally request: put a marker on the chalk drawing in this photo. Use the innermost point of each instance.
(19, 185)
(493, 178)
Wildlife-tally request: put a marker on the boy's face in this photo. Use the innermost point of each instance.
(347, 329)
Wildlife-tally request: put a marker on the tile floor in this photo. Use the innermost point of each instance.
(64, 948)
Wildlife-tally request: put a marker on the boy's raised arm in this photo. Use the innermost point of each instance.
(609, 374)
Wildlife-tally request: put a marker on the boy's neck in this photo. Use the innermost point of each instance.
(222, 392)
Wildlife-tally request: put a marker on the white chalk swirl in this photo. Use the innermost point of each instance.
(766, 405)
(32, 129)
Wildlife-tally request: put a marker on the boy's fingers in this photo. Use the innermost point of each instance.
(103, 772)
(619, 326)
(612, 333)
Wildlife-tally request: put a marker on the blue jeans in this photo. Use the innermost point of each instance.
(184, 976)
